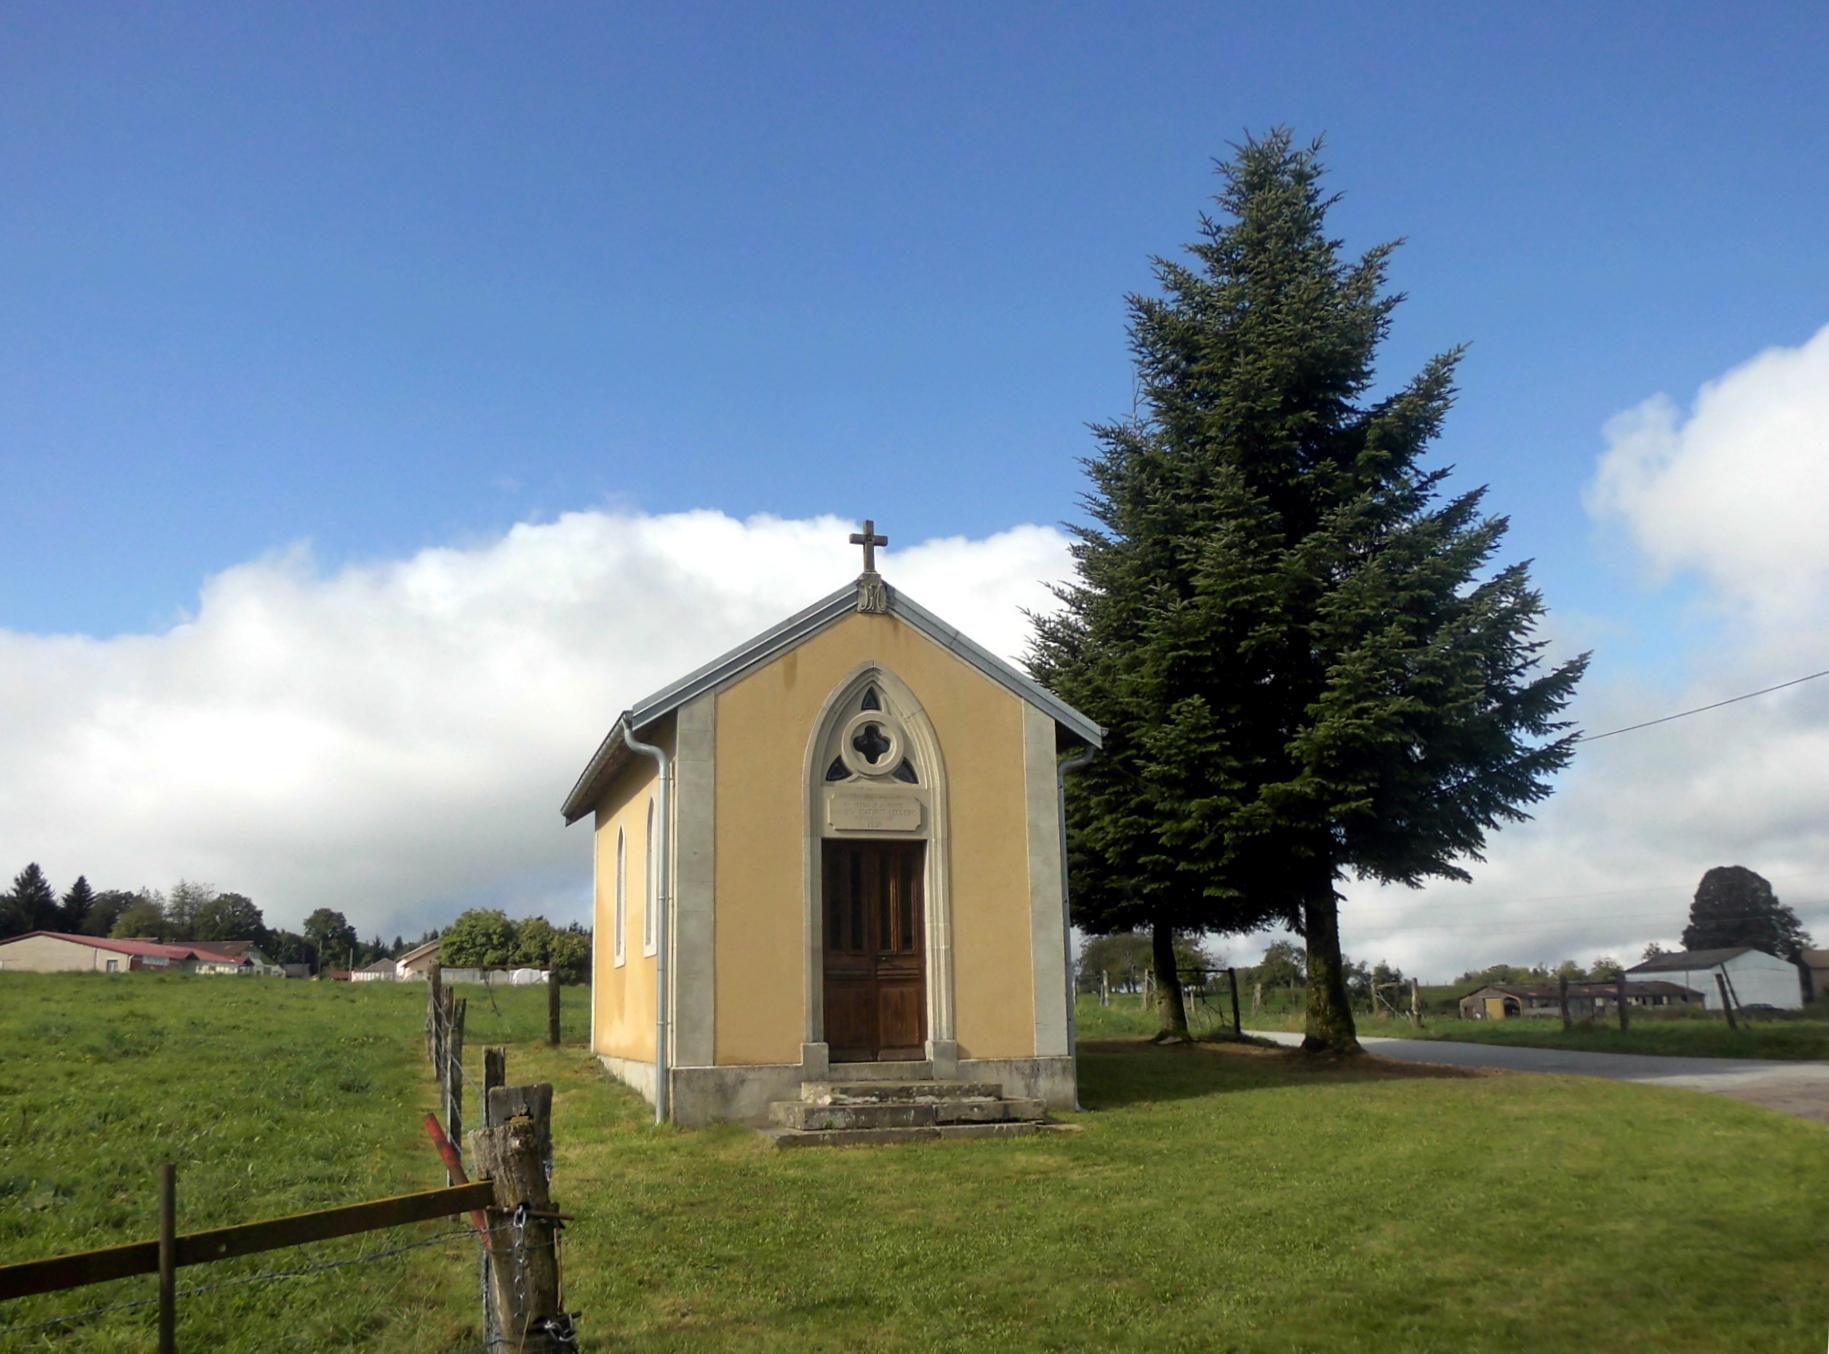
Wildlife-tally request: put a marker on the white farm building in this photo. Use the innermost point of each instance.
(1753, 977)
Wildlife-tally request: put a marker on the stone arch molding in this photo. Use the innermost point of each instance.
(870, 800)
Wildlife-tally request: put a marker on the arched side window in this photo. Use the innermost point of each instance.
(650, 868)
(622, 875)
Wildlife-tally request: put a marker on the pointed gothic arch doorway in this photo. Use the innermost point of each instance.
(879, 933)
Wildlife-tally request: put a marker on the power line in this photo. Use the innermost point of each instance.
(1685, 714)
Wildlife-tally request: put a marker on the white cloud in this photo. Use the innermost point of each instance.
(1737, 491)
(394, 739)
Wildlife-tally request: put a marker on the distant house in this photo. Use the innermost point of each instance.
(1502, 1001)
(63, 952)
(1753, 976)
(1815, 964)
(417, 962)
(381, 971)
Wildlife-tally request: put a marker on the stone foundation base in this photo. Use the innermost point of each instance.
(742, 1094)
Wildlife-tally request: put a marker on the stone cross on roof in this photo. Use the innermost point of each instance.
(869, 540)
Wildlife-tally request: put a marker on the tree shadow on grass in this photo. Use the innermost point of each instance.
(1119, 1072)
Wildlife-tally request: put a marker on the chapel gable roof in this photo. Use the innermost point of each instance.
(612, 753)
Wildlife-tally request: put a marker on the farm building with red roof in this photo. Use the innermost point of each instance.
(63, 952)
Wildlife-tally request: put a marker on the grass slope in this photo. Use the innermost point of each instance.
(1234, 1198)
(273, 1097)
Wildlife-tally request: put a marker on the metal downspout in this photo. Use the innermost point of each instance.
(663, 909)
(1060, 803)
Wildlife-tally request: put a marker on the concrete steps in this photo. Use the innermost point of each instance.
(854, 1113)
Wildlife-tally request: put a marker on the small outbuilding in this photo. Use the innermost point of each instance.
(1587, 1000)
(1753, 977)
(1815, 964)
(417, 962)
(833, 853)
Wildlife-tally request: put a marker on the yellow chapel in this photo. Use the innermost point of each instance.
(830, 858)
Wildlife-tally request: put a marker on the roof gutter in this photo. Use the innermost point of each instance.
(1061, 769)
(663, 909)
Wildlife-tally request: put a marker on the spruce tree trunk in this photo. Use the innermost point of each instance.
(1170, 1008)
(1330, 1014)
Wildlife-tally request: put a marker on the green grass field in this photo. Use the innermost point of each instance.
(1799, 1035)
(1217, 1197)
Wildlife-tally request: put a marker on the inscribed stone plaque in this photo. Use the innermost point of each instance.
(874, 813)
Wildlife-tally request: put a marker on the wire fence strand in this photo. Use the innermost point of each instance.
(273, 1276)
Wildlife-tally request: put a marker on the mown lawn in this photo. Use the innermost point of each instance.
(1216, 1197)
(1802, 1035)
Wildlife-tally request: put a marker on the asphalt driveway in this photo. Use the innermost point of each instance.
(1800, 1088)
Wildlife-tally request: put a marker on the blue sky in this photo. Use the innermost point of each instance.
(388, 276)
(445, 292)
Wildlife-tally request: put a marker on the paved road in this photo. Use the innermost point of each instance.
(1800, 1088)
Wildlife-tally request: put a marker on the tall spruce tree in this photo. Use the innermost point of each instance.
(73, 912)
(34, 902)
(1305, 659)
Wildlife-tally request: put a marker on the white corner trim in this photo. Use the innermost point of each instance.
(1047, 943)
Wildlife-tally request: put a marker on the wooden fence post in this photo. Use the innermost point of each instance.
(515, 1152)
(552, 1008)
(436, 1009)
(1726, 1004)
(495, 1073)
(168, 1258)
(1416, 1003)
(1232, 977)
(1562, 996)
(1625, 1017)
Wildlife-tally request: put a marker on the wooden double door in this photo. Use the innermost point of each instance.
(875, 950)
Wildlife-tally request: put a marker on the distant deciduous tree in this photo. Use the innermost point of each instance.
(1735, 906)
(289, 947)
(186, 899)
(1653, 950)
(534, 942)
(1285, 964)
(1124, 955)
(229, 916)
(143, 919)
(1503, 973)
(570, 961)
(330, 935)
(480, 938)
(1605, 969)
(107, 909)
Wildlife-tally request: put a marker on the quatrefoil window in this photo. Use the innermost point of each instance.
(871, 744)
